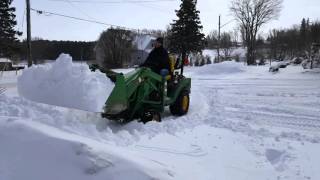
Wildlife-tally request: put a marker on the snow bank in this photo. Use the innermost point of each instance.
(211, 53)
(34, 151)
(240, 51)
(227, 67)
(66, 84)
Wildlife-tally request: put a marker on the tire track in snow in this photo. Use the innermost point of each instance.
(193, 151)
(238, 106)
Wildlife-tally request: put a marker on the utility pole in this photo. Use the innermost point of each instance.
(29, 56)
(219, 38)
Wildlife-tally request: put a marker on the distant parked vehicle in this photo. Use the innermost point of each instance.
(262, 62)
(283, 64)
(274, 68)
(7, 65)
(297, 60)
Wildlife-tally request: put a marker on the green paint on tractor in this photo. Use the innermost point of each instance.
(144, 94)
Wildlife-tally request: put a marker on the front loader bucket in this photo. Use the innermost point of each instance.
(118, 99)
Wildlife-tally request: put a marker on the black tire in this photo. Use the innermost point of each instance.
(150, 115)
(179, 108)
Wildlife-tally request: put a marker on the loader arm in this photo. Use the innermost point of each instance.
(131, 91)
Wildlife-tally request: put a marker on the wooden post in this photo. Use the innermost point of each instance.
(219, 38)
(29, 56)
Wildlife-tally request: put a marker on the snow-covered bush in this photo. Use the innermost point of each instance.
(297, 60)
(274, 68)
(306, 64)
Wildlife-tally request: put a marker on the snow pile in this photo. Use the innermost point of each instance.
(66, 84)
(209, 52)
(51, 154)
(227, 67)
(240, 51)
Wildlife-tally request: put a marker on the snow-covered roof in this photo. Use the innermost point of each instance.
(143, 41)
(5, 60)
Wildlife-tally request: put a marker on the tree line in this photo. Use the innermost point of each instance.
(295, 41)
(8, 41)
(45, 49)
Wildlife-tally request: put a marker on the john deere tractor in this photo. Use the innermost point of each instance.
(143, 94)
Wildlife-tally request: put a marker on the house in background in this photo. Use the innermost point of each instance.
(5, 64)
(144, 44)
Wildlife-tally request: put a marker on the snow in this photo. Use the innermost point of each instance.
(28, 153)
(210, 53)
(239, 51)
(244, 123)
(66, 84)
(227, 67)
(5, 60)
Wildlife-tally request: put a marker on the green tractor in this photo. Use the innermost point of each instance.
(144, 94)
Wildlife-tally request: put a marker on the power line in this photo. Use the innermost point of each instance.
(71, 17)
(152, 7)
(22, 20)
(42, 12)
(227, 23)
(144, 3)
(117, 2)
(74, 6)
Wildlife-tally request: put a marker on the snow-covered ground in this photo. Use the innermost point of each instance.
(244, 123)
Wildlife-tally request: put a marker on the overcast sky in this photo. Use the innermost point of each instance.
(151, 15)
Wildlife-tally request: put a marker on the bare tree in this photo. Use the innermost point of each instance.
(235, 36)
(252, 14)
(212, 40)
(226, 45)
(114, 48)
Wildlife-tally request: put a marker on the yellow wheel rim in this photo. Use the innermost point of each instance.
(185, 103)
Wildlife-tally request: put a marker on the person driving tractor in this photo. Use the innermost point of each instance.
(158, 58)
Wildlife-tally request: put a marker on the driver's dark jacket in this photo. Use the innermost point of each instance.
(158, 59)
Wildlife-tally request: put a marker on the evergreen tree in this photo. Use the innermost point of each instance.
(304, 33)
(185, 35)
(8, 40)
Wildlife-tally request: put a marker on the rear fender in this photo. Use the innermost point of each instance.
(183, 85)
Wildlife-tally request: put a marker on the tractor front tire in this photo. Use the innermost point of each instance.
(181, 105)
(150, 115)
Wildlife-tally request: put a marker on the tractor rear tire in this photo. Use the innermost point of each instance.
(181, 105)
